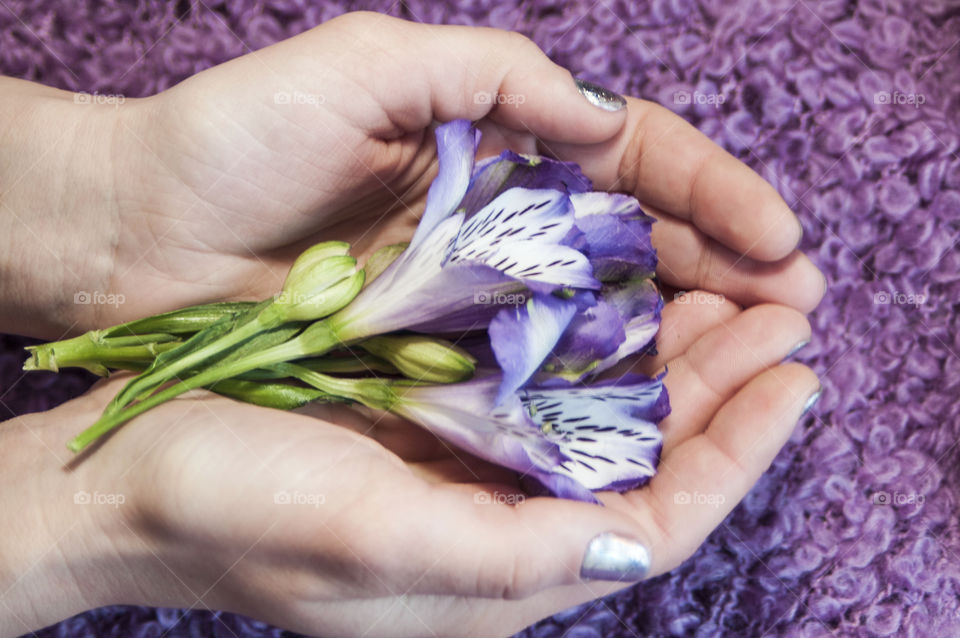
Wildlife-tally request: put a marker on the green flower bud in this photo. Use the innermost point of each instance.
(312, 257)
(319, 300)
(323, 279)
(423, 358)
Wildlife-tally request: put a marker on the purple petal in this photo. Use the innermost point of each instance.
(519, 234)
(623, 322)
(640, 303)
(522, 338)
(464, 414)
(593, 335)
(510, 245)
(616, 235)
(608, 430)
(456, 147)
(496, 175)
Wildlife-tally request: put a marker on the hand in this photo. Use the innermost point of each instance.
(218, 187)
(219, 182)
(373, 524)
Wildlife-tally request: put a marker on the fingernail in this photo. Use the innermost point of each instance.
(797, 348)
(600, 97)
(614, 557)
(812, 401)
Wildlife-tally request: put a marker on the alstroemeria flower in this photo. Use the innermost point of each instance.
(511, 229)
(585, 332)
(570, 441)
(456, 265)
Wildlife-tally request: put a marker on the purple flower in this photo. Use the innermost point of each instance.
(569, 441)
(561, 279)
(519, 240)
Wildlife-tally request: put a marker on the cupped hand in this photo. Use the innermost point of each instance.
(344, 523)
(224, 178)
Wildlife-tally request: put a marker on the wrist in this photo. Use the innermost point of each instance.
(68, 541)
(58, 207)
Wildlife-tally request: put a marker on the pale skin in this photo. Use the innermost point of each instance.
(208, 191)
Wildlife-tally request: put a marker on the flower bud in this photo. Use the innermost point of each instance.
(423, 358)
(322, 280)
(322, 297)
(312, 257)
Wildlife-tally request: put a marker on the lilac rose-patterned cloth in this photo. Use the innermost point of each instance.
(849, 107)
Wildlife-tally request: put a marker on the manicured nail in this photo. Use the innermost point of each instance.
(600, 97)
(812, 401)
(797, 348)
(614, 557)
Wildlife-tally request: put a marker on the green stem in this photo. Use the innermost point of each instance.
(90, 350)
(184, 321)
(87, 350)
(159, 377)
(280, 396)
(373, 393)
(316, 340)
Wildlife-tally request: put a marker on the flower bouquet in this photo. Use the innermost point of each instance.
(491, 328)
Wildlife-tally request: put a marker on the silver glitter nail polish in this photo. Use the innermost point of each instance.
(600, 97)
(797, 348)
(812, 401)
(614, 557)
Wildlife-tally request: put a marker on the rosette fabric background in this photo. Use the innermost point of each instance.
(855, 530)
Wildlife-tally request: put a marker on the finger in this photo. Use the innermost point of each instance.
(418, 73)
(701, 480)
(666, 162)
(713, 368)
(686, 319)
(689, 259)
(491, 544)
(682, 322)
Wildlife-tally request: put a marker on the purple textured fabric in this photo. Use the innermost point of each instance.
(824, 100)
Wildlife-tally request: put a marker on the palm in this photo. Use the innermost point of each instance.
(227, 223)
(344, 470)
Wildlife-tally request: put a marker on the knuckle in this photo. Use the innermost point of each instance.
(355, 19)
(516, 578)
(520, 41)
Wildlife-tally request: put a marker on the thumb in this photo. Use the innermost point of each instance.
(417, 73)
(489, 544)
